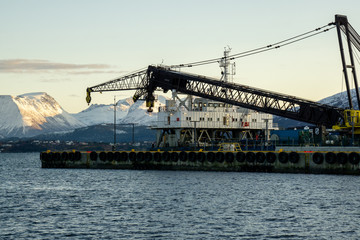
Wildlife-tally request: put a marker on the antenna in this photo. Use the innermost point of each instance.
(227, 68)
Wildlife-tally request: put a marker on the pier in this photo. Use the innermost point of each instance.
(319, 162)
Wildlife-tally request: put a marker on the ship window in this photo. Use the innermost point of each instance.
(215, 105)
(218, 119)
(210, 104)
(225, 121)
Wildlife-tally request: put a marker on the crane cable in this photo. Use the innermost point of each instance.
(262, 49)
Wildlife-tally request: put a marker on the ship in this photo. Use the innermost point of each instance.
(191, 123)
(206, 129)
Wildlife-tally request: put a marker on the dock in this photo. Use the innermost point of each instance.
(311, 162)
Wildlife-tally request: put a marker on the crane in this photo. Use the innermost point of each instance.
(154, 78)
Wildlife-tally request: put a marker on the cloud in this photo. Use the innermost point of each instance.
(98, 71)
(31, 65)
(52, 80)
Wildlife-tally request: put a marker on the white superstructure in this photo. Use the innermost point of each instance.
(209, 114)
(204, 122)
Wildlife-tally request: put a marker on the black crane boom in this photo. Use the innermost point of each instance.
(145, 82)
(245, 96)
(134, 81)
(236, 94)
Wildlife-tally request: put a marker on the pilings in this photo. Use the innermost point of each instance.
(246, 161)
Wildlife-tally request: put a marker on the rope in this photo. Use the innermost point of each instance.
(262, 49)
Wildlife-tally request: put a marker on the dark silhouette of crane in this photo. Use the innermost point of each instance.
(146, 81)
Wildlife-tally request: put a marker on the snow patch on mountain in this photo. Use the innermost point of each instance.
(341, 100)
(126, 112)
(10, 117)
(31, 114)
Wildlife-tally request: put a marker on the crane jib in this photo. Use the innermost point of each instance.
(145, 82)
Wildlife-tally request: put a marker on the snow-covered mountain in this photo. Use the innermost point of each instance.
(341, 100)
(126, 112)
(32, 114)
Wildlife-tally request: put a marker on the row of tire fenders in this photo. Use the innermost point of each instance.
(229, 157)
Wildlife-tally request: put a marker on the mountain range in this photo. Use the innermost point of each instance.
(32, 114)
(35, 114)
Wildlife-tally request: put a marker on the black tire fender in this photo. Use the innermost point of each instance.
(240, 157)
(210, 157)
(132, 156)
(102, 156)
(330, 157)
(148, 157)
(93, 156)
(174, 156)
(318, 158)
(219, 156)
(183, 156)
(270, 157)
(117, 156)
(260, 157)
(200, 156)
(354, 158)
(110, 156)
(165, 156)
(283, 157)
(250, 157)
(342, 158)
(140, 156)
(124, 156)
(294, 157)
(192, 156)
(229, 157)
(157, 157)
(71, 156)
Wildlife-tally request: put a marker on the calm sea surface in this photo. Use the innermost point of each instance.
(38, 203)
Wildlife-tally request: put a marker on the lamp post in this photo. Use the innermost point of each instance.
(114, 148)
(266, 132)
(195, 135)
(352, 130)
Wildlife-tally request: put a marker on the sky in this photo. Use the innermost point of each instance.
(63, 47)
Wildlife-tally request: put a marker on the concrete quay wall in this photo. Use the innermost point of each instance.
(246, 161)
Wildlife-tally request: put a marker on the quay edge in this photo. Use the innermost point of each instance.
(313, 162)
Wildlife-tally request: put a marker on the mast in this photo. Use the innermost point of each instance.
(227, 68)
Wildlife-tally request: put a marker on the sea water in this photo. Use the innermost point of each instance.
(38, 203)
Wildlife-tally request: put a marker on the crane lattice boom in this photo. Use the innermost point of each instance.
(145, 82)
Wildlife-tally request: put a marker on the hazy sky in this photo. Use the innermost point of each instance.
(63, 47)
